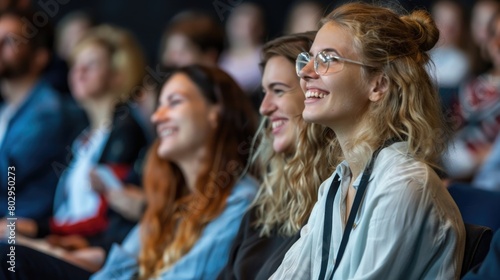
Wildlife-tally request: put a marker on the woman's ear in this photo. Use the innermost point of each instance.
(116, 84)
(379, 88)
(41, 59)
(116, 80)
(213, 115)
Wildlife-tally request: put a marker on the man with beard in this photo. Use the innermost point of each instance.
(32, 141)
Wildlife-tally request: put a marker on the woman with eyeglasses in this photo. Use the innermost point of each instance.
(292, 158)
(383, 214)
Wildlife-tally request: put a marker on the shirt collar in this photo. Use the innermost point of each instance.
(345, 172)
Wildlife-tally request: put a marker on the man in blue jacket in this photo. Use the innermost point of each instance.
(32, 141)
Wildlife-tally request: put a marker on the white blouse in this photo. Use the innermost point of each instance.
(407, 227)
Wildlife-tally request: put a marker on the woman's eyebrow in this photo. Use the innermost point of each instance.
(173, 95)
(274, 84)
(332, 50)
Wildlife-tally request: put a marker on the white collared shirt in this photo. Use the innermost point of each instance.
(407, 227)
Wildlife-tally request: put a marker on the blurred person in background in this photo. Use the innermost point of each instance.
(69, 30)
(482, 13)
(106, 65)
(22, 5)
(191, 37)
(451, 56)
(245, 34)
(32, 120)
(303, 16)
(477, 115)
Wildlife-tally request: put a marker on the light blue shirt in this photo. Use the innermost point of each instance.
(205, 259)
(407, 227)
(488, 176)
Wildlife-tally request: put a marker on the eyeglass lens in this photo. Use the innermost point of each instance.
(323, 62)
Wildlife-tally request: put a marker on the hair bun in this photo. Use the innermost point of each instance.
(425, 31)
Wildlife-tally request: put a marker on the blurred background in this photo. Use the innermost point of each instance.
(148, 18)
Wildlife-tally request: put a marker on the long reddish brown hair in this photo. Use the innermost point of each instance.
(175, 217)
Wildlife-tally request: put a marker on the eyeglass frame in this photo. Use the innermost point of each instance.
(334, 56)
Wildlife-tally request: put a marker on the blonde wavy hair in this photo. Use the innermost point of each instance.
(289, 181)
(396, 46)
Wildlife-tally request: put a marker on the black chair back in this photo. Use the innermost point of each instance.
(477, 245)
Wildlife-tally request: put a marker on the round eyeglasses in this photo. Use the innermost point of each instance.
(324, 62)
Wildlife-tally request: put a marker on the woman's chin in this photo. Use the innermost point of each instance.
(281, 146)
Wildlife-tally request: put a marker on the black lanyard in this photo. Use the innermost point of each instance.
(327, 230)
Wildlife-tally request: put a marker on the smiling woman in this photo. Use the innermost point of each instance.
(196, 192)
(383, 213)
(283, 103)
(184, 121)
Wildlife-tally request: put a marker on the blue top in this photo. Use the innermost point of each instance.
(488, 177)
(205, 259)
(35, 145)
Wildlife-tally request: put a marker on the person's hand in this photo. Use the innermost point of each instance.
(26, 227)
(481, 152)
(70, 242)
(446, 182)
(96, 182)
(129, 201)
(40, 245)
(4, 230)
(91, 258)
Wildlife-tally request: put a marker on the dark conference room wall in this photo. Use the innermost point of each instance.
(147, 18)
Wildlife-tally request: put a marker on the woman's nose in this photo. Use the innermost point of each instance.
(159, 115)
(308, 72)
(267, 106)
